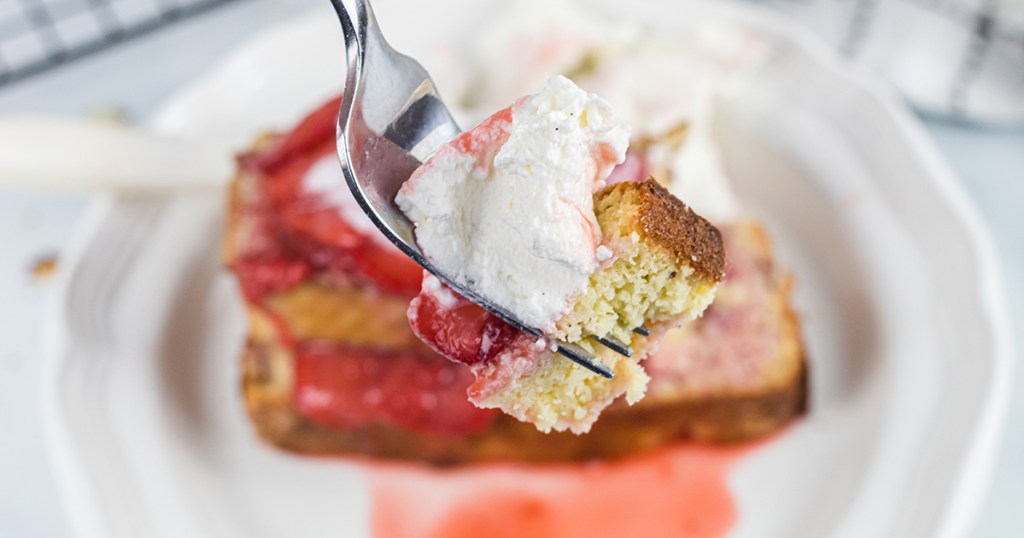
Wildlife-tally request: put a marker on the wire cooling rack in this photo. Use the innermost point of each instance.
(38, 35)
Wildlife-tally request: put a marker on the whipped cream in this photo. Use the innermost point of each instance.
(506, 208)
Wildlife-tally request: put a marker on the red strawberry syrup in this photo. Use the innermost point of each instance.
(676, 491)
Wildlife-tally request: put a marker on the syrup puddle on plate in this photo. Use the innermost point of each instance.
(675, 491)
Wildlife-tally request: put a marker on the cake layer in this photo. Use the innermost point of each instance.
(343, 312)
(666, 264)
(699, 404)
(620, 432)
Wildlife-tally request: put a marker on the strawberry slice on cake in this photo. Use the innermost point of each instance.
(329, 344)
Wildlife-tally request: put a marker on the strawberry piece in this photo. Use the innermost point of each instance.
(304, 215)
(463, 332)
(314, 129)
(347, 387)
(392, 270)
(305, 212)
(321, 234)
(268, 274)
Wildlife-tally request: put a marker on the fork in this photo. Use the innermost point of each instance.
(391, 120)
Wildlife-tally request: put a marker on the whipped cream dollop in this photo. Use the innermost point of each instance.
(506, 208)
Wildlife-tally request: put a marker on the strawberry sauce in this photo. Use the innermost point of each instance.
(296, 232)
(676, 491)
(345, 388)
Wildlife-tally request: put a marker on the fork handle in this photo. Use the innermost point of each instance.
(356, 18)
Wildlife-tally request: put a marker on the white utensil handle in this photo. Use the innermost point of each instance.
(78, 155)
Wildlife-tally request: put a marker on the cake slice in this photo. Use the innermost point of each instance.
(327, 336)
(702, 404)
(516, 209)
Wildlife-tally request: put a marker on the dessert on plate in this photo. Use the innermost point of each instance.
(331, 365)
(517, 210)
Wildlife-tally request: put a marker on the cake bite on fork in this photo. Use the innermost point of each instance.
(509, 222)
(390, 119)
(517, 209)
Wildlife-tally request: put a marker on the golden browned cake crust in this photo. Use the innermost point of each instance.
(670, 223)
(748, 343)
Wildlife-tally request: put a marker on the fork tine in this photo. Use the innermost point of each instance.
(581, 357)
(642, 330)
(615, 345)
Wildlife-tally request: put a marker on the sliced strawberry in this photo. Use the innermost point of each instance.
(321, 224)
(497, 336)
(462, 331)
(262, 275)
(346, 387)
(312, 131)
(389, 268)
(320, 232)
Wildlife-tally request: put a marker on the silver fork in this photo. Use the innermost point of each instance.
(392, 119)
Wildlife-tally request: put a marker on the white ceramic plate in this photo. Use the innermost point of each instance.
(905, 320)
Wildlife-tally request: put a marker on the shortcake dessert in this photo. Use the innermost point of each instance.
(517, 209)
(332, 367)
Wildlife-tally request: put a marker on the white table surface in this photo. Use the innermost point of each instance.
(138, 77)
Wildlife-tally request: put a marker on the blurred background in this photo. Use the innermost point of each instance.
(959, 64)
